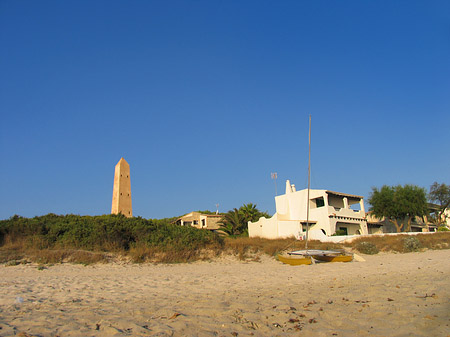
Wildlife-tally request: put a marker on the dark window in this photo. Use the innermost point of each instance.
(320, 202)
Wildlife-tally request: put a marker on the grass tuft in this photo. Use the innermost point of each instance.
(411, 244)
(367, 248)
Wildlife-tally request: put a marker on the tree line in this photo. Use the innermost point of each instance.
(400, 205)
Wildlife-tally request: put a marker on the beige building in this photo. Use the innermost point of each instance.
(200, 220)
(328, 212)
(418, 224)
(121, 200)
(378, 226)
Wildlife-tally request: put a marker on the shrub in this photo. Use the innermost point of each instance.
(12, 263)
(340, 232)
(411, 244)
(443, 229)
(53, 236)
(367, 248)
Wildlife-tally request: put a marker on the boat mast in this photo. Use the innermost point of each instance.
(309, 183)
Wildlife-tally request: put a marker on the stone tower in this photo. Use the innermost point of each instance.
(121, 201)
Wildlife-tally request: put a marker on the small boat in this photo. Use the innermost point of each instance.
(333, 256)
(336, 258)
(294, 260)
(325, 255)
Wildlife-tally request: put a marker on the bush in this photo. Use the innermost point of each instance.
(60, 233)
(367, 248)
(443, 229)
(411, 244)
(340, 232)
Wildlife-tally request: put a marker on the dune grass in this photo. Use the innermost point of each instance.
(404, 243)
(246, 248)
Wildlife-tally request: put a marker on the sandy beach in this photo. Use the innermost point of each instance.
(387, 295)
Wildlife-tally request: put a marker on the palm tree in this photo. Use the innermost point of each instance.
(233, 223)
(249, 212)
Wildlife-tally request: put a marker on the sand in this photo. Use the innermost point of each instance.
(387, 295)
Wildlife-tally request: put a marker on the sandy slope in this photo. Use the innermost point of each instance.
(388, 295)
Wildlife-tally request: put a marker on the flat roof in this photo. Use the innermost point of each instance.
(345, 195)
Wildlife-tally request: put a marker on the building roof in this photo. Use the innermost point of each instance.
(191, 214)
(352, 196)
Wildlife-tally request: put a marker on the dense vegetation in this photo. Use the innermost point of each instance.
(108, 233)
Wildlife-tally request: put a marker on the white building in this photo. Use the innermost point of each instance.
(328, 212)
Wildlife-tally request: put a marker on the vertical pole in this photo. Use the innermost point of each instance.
(274, 176)
(276, 193)
(309, 184)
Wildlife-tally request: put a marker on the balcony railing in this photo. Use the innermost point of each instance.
(345, 211)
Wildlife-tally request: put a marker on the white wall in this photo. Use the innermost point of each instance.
(291, 211)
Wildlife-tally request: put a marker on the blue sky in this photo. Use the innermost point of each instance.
(205, 99)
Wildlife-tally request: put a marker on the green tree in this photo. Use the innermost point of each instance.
(440, 195)
(251, 213)
(399, 204)
(235, 222)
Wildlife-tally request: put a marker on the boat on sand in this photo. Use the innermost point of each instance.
(341, 257)
(294, 260)
(310, 256)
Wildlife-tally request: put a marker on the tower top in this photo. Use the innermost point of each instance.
(122, 161)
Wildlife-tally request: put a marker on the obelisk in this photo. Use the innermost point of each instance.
(121, 201)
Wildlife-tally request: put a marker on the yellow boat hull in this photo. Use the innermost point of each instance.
(294, 260)
(337, 258)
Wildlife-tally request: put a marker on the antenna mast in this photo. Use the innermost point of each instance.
(274, 176)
